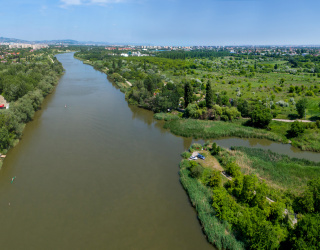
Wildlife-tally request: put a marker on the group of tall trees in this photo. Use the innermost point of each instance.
(24, 86)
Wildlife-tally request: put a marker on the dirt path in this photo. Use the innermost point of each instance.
(284, 120)
(129, 83)
(51, 59)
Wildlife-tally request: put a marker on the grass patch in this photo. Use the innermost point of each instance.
(310, 140)
(165, 116)
(217, 129)
(277, 169)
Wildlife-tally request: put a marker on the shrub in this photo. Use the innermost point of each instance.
(301, 106)
(296, 129)
(196, 146)
(233, 169)
(261, 117)
(186, 155)
(195, 169)
(215, 149)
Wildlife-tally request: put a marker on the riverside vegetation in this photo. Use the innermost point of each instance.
(25, 79)
(263, 201)
(214, 89)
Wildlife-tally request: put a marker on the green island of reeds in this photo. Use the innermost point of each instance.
(216, 129)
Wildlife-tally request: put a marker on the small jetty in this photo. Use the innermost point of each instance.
(2, 156)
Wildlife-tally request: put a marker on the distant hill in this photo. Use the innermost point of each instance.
(12, 40)
(64, 42)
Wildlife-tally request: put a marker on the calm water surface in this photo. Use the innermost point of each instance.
(95, 175)
(99, 174)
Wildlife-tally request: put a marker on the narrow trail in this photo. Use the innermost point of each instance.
(285, 120)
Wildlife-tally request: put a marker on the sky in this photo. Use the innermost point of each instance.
(164, 22)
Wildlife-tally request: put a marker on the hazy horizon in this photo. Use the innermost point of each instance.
(169, 22)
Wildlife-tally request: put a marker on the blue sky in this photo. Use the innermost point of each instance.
(164, 22)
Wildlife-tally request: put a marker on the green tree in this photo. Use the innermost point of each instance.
(233, 169)
(296, 129)
(187, 94)
(243, 107)
(301, 106)
(261, 116)
(250, 183)
(314, 187)
(307, 234)
(215, 179)
(209, 95)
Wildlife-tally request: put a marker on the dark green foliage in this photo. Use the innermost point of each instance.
(296, 129)
(261, 116)
(307, 234)
(243, 107)
(215, 149)
(301, 106)
(195, 169)
(233, 169)
(186, 155)
(215, 179)
(187, 94)
(209, 95)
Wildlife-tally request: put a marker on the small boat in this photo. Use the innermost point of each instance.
(13, 179)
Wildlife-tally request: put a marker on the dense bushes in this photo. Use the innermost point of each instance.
(215, 113)
(242, 201)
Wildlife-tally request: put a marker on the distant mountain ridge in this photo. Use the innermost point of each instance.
(64, 42)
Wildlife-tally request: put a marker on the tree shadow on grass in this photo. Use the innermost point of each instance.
(314, 118)
(293, 116)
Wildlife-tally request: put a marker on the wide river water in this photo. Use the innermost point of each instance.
(99, 174)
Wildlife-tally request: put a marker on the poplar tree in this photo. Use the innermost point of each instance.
(187, 94)
(209, 95)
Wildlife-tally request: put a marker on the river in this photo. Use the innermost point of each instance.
(96, 174)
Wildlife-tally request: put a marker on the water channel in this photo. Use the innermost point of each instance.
(99, 174)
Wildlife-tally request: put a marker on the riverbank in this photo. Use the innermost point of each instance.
(242, 203)
(115, 78)
(218, 233)
(205, 129)
(23, 108)
(154, 91)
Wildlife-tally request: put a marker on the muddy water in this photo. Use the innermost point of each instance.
(98, 174)
(94, 175)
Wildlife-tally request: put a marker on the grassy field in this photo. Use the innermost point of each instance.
(278, 170)
(217, 129)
